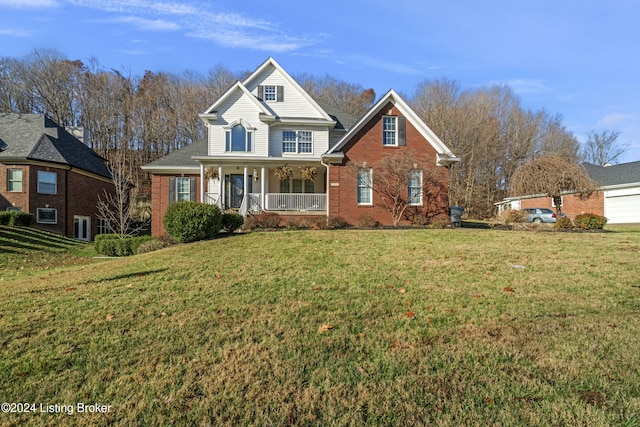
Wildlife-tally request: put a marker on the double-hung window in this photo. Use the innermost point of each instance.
(415, 188)
(14, 180)
(271, 93)
(297, 141)
(47, 182)
(238, 138)
(389, 131)
(364, 192)
(182, 189)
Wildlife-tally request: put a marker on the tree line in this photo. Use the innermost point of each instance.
(146, 117)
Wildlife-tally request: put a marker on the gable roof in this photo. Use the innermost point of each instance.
(211, 111)
(621, 174)
(35, 137)
(181, 158)
(445, 156)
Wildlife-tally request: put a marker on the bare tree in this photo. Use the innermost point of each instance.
(348, 97)
(401, 181)
(118, 208)
(552, 176)
(601, 148)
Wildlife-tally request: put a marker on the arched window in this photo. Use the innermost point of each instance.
(238, 138)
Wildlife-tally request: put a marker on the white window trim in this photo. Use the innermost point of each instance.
(370, 173)
(249, 133)
(178, 192)
(274, 93)
(14, 181)
(553, 202)
(415, 201)
(55, 214)
(297, 142)
(395, 131)
(55, 183)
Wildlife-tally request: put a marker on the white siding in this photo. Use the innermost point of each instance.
(320, 141)
(237, 107)
(294, 103)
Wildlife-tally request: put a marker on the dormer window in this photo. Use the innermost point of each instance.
(271, 93)
(238, 138)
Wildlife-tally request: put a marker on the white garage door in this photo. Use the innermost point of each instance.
(622, 209)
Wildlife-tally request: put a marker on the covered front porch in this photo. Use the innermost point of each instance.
(297, 187)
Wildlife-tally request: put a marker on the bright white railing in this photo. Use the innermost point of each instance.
(296, 202)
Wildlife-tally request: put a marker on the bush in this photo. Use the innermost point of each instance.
(513, 215)
(231, 221)
(367, 221)
(332, 223)
(439, 224)
(563, 223)
(16, 219)
(5, 217)
(114, 245)
(262, 221)
(150, 246)
(589, 221)
(191, 221)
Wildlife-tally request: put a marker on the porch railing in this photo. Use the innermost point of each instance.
(212, 199)
(250, 203)
(296, 202)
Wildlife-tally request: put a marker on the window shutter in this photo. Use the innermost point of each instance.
(261, 92)
(192, 189)
(172, 190)
(280, 94)
(402, 131)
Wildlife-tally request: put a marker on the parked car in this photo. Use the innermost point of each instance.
(540, 215)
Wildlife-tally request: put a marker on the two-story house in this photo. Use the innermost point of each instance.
(48, 171)
(266, 133)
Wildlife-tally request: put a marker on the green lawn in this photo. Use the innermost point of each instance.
(396, 327)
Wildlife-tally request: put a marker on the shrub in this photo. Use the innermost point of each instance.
(150, 246)
(439, 224)
(262, 221)
(563, 223)
(589, 221)
(332, 223)
(114, 245)
(191, 221)
(420, 221)
(367, 221)
(231, 221)
(5, 217)
(513, 215)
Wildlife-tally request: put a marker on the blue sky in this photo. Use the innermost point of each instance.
(580, 59)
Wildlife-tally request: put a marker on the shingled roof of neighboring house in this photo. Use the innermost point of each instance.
(624, 173)
(181, 157)
(35, 137)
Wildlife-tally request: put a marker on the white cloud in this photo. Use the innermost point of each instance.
(383, 64)
(613, 119)
(26, 4)
(148, 24)
(522, 86)
(15, 32)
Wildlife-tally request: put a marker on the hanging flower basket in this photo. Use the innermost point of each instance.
(308, 173)
(283, 173)
(211, 173)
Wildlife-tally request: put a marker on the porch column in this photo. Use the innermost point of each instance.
(246, 181)
(221, 185)
(201, 183)
(263, 189)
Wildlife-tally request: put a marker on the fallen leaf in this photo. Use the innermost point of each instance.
(71, 289)
(410, 314)
(402, 291)
(508, 289)
(109, 317)
(324, 327)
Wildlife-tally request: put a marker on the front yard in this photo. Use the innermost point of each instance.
(349, 327)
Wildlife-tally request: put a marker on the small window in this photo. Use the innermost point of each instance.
(270, 93)
(389, 131)
(363, 196)
(415, 188)
(47, 216)
(183, 189)
(553, 202)
(47, 182)
(14, 180)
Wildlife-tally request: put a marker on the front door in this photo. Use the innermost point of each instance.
(236, 190)
(82, 227)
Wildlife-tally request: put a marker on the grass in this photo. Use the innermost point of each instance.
(416, 327)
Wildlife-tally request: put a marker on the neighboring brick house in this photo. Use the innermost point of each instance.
(617, 199)
(268, 121)
(49, 172)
